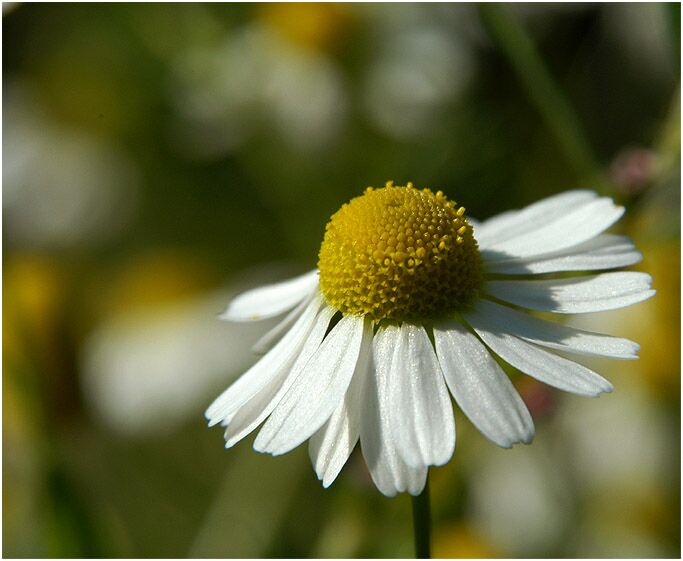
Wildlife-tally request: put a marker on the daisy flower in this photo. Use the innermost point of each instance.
(408, 305)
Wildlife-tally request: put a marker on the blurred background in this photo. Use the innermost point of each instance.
(159, 158)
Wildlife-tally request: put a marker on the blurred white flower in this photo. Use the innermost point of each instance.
(520, 501)
(61, 187)
(149, 370)
(416, 73)
(623, 445)
(254, 82)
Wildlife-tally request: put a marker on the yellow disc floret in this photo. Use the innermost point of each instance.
(399, 253)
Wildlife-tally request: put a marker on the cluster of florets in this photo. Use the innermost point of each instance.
(399, 253)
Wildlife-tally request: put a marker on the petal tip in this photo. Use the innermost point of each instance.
(326, 482)
(229, 315)
(270, 447)
(259, 447)
(232, 440)
(414, 492)
(604, 389)
(525, 438)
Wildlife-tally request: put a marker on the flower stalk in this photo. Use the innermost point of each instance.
(422, 523)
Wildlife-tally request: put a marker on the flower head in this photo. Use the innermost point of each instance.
(399, 253)
(408, 304)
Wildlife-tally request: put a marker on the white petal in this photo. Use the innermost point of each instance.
(420, 411)
(271, 300)
(517, 222)
(542, 365)
(574, 226)
(267, 341)
(480, 387)
(575, 295)
(606, 251)
(332, 445)
(317, 391)
(503, 319)
(279, 359)
(389, 472)
(414, 478)
(255, 411)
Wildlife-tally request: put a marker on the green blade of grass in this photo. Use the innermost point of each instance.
(548, 98)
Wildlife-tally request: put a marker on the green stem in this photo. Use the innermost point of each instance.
(422, 523)
(543, 92)
(673, 17)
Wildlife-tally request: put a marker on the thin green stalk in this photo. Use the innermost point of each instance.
(422, 523)
(543, 92)
(667, 142)
(673, 18)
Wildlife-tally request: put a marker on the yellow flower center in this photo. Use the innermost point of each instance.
(399, 253)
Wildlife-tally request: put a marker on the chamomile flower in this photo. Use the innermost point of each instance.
(407, 306)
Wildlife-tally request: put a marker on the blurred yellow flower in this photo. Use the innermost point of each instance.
(152, 279)
(659, 323)
(32, 297)
(312, 25)
(461, 541)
